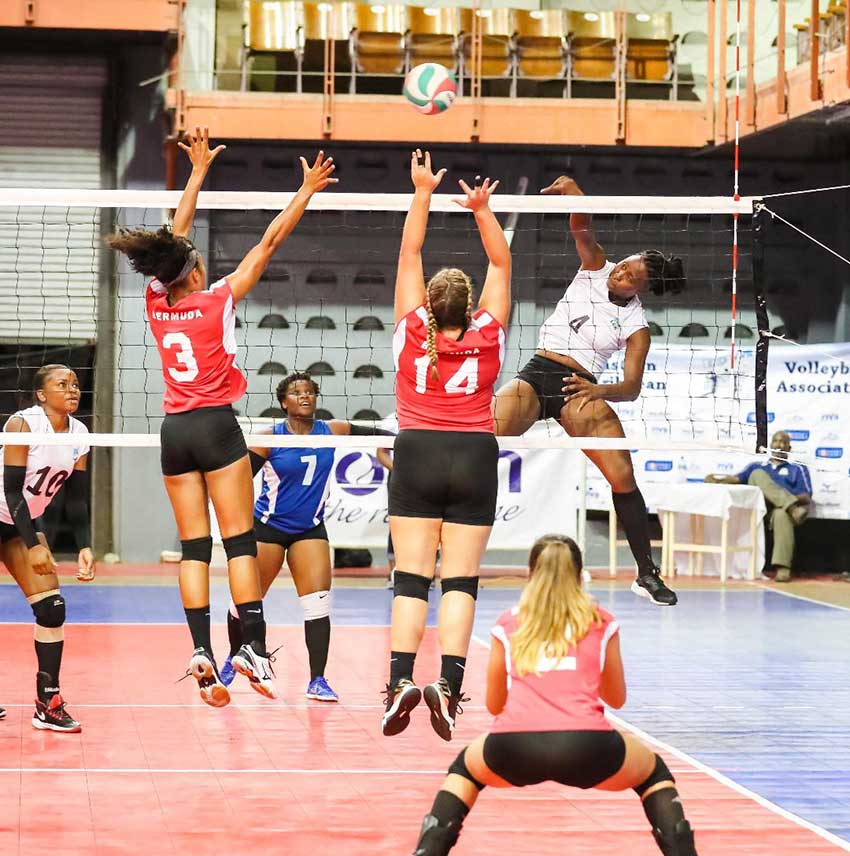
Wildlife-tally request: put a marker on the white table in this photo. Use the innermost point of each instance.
(720, 522)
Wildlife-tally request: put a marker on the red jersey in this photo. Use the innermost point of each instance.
(565, 697)
(196, 339)
(468, 368)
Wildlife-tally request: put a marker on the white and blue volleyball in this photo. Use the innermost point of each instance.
(430, 88)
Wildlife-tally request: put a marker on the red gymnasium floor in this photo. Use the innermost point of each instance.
(157, 772)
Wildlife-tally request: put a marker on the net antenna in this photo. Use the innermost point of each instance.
(513, 217)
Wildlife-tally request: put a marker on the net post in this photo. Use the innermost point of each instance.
(104, 393)
(763, 326)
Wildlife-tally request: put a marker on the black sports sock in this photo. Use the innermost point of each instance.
(198, 619)
(234, 632)
(253, 624)
(632, 514)
(452, 670)
(448, 808)
(664, 810)
(317, 635)
(46, 686)
(401, 666)
(441, 828)
(49, 656)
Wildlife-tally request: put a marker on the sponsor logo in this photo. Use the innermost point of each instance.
(829, 452)
(751, 417)
(798, 435)
(658, 466)
(829, 417)
(359, 473)
(514, 470)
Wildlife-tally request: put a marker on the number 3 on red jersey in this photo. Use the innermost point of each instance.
(184, 355)
(464, 380)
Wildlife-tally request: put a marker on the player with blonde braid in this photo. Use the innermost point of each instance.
(444, 485)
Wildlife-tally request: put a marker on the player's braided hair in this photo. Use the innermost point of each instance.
(448, 300)
(161, 254)
(666, 273)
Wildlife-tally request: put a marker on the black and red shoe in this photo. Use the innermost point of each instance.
(50, 715)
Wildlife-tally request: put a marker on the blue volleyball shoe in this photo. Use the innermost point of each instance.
(320, 690)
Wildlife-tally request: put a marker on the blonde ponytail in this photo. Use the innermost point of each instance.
(431, 341)
(555, 613)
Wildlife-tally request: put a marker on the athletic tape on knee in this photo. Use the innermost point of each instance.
(468, 585)
(197, 549)
(317, 604)
(50, 610)
(660, 774)
(410, 585)
(244, 544)
(459, 768)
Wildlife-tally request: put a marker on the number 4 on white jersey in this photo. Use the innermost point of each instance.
(464, 380)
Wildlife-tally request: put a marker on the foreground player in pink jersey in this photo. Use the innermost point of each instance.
(203, 449)
(554, 658)
(444, 485)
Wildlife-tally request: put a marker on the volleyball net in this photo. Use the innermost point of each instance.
(324, 305)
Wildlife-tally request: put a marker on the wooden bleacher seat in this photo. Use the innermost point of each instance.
(541, 44)
(272, 29)
(432, 36)
(650, 54)
(378, 39)
(592, 44)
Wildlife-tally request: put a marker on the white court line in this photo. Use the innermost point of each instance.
(724, 780)
(240, 706)
(183, 624)
(807, 599)
(729, 783)
(208, 770)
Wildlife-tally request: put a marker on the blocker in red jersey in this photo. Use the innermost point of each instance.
(444, 486)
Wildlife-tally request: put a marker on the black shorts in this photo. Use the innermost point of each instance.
(200, 440)
(547, 378)
(447, 475)
(8, 531)
(579, 759)
(269, 535)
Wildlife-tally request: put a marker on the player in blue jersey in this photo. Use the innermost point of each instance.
(289, 521)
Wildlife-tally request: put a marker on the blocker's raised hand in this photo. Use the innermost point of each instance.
(198, 149)
(420, 171)
(478, 196)
(318, 176)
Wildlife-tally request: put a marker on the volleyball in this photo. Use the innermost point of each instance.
(430, 88)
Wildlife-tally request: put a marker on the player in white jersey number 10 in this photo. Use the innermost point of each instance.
(32, 477)
(600, 314)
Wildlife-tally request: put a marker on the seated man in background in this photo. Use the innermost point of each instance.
(787, 489)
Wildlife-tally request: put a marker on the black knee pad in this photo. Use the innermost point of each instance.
(410, 585)
(244, 544)
(661, 773)
(459, 768)
(468, 585)
(197, 549)
(50, 611)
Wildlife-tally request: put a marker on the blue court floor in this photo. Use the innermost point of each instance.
(751, 683)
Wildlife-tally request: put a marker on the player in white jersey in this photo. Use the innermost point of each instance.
(599, 314)
(31, 478)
